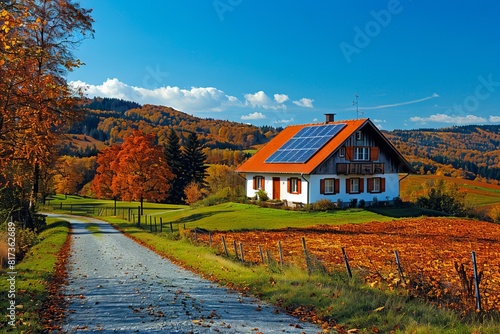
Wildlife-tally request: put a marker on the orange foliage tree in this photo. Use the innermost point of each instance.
(101, 185)
(136, 170)
(36, 104)
(193, 193)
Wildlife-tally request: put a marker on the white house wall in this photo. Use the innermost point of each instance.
(284, 195)
(391, 188)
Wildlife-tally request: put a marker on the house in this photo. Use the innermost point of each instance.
(335, 160)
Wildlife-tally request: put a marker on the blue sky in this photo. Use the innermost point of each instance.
(413, 64)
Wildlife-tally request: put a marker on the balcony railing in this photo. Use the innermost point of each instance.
(360, 168)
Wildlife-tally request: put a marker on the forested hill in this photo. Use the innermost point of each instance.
(469, 152)
(111, 120)
(462, 151)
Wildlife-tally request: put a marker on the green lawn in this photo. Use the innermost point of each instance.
(222, 217)
(236, 216)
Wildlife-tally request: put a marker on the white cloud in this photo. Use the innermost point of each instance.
(495, 119)
(378, 123)
(253, 116)
(196, 99)
(281, 98)
(442, 118)
(304, 102)
(261, 100)
(283, 121)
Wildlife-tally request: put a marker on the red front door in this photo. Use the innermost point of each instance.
(276, 188)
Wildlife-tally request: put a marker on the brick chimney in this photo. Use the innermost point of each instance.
(330, 118)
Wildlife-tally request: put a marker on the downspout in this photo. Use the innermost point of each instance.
(404, 177)
(308, 190)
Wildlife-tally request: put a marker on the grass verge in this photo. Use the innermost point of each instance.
(335, 302)
(34, 273)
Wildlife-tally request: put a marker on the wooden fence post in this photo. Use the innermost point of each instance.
(235, 250)
(400, 269)
(241, 252)
(477, 279)
(171, 227)
(261, 254)
(269, 257)
(161, 224)
(346, 261)
(308, 264)
(281, 253)
(224, 245)
(156, 226)
(129, 214)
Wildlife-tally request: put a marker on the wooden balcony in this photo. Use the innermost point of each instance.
(360, 168)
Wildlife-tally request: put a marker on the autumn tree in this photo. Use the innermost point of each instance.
(174, 157)
(103, 180)
(193, 159)
(36, 104)
(73, 173)
(142, 171)
(193, 193)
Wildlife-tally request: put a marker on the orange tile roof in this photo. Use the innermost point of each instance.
(257, 164)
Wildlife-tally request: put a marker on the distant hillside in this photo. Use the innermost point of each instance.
(110, 120)
(469, 152)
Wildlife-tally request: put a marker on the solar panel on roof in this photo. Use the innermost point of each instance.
(305, 143)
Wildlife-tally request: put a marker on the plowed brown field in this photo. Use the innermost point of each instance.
(428, 250)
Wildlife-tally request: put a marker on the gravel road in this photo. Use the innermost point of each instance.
(117, 285)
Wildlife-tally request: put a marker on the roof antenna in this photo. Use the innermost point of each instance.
(355, 102)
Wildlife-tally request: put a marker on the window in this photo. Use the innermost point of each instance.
(354, 185)
(359, 135)
(376, 185)
(259, 182)
(362, 153)
(329, 186)
(294, 185)
(342, 152)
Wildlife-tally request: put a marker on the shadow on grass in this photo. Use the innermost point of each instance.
(405, 212)
(198, 216)
(56, 224)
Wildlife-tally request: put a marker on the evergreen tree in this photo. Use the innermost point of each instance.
(194, 161)
(175, 161)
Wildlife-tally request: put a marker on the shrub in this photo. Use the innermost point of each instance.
(362, 203)
(353, 203)
(262, 195)
(495, 214)
(193, 193)
(398, 201)
(445, 197)
(323, 205)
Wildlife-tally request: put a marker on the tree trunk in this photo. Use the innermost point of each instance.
(142, 206)
(34, 190)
